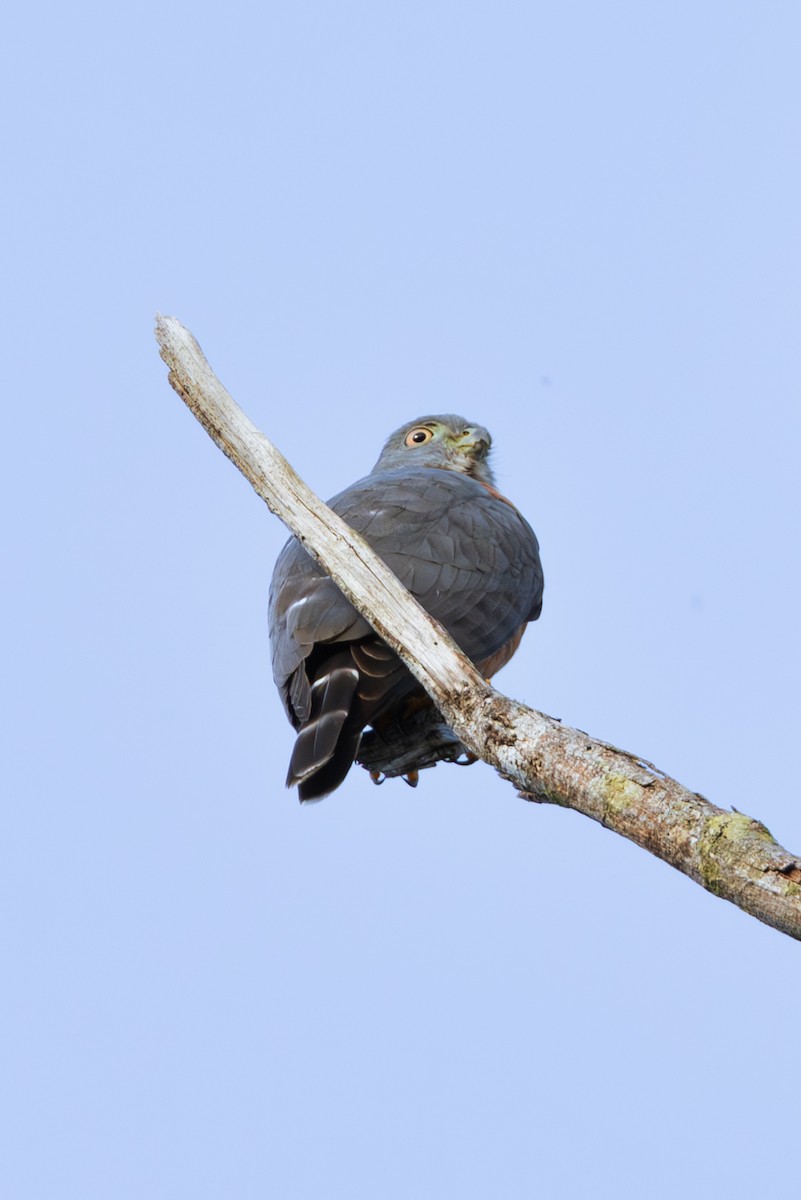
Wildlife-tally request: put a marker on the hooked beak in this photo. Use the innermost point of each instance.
(474, 442)
(469, 450)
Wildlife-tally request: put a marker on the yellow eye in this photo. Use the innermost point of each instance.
(418, 436)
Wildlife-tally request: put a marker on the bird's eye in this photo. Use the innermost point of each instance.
(418, 436)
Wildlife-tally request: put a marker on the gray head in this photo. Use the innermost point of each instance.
(448, 441)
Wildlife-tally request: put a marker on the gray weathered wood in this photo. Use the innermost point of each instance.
(728, 853)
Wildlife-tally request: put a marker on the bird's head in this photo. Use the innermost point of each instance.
(449, 442)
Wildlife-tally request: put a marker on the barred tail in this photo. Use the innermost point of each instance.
(325, 748)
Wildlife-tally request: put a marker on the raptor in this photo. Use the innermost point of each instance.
(431, 510)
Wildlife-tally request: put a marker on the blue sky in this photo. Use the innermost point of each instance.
(578, 225)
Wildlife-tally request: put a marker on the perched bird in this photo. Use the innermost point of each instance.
(430, 509)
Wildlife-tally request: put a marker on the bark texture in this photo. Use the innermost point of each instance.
(727, 852)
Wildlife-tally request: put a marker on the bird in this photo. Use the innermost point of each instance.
(431, 510)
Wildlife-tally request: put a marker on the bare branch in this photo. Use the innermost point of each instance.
(728, 853)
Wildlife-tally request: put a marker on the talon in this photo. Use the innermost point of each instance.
(411, 777)
(466, 760)
(377, 778)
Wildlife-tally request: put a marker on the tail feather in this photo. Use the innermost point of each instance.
(331, 774)
(348, 689)
(332, 695)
